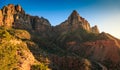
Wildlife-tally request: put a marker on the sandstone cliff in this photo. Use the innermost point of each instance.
(74, 22)
(14, 16)
(71, 45)
(95, 29)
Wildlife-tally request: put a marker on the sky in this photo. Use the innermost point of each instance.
(103, 13)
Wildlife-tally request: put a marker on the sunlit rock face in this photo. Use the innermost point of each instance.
(74, 38)
(8, 12)
(75, 22)
(76, 19)
(7, 15)
(95, 29)
(1, 18)
(13, 16)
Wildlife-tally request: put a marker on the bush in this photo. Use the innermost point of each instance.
(4, 34)
(39, 67)
(8, 58)
(9, 48)
(21, 34)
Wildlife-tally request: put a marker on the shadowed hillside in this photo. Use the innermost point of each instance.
(31, 43)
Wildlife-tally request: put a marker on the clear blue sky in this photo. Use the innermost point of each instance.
(104, 13)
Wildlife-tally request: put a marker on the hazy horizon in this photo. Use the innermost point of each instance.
(103, 13)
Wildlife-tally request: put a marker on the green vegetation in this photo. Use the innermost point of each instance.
(80, 35)
(13, 43)
(4, 34)
(8, 59)
(20, 34)
(9, 47)
(40, 66)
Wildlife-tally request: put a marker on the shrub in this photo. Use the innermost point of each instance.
(5, 34)
(21, 34)
(40, 66)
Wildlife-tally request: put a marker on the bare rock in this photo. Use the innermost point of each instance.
(1, 18)
(74, 22)
(95, 29)
(7, 15)
(77, 20)
(74, 18)
(19, 9)
(8, 12)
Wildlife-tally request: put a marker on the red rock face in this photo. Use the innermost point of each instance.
(7, 15)
(102, 50)
(74, 36)
(13, 16)
(99, 50)
(1, 18)
(95, 29)
(74, 22)
(8, 12)
(70, 63)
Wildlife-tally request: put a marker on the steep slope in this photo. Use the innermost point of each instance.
(14, 53)
(15, 16)
(71, 45)
(74, 22)
(76, 35)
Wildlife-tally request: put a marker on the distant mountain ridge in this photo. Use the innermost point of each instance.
(12, 16)
(71, 45)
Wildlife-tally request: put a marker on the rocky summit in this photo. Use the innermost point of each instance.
(31, 43)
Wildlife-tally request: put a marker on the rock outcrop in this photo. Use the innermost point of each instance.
(7, 15)
(74, 22)
(14, 53)
(95, 29)
(1, 18)
(76, 19)
(74, 44)
(14, 16)
(8, 18)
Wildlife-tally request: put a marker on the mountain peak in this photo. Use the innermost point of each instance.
(18, 8)
(77, 21)
(8, 13)
(13, 8)
(74, 12)
(74, 41)
(74, 17)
